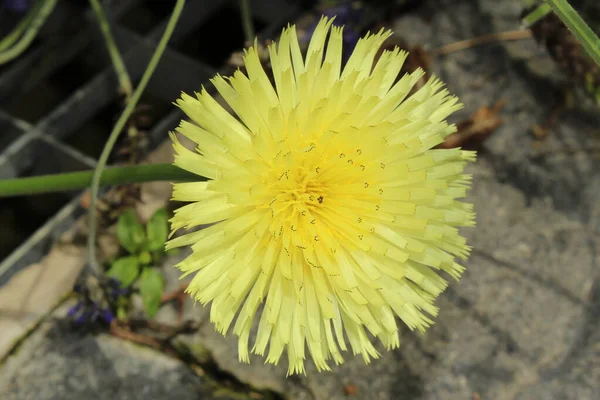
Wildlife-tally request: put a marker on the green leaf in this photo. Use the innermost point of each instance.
(130, 231)
(121, 313)
(582, 32)
(122, 308)
(157, 230)
(125, 269)
(151, 289)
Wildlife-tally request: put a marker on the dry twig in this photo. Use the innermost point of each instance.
(480, 40)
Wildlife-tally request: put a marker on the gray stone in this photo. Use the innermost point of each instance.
(58, 363)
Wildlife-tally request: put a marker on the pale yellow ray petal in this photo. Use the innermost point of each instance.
(193, 162)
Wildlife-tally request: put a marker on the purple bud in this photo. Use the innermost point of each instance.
(341, 12)
(350, 39)
(116, 293)
(114, 282)
(75, 309)
(107, 316)
(18, 6)
(83, 317)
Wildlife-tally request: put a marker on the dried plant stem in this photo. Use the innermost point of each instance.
(479, 40)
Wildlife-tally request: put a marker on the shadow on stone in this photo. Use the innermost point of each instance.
(56, 363)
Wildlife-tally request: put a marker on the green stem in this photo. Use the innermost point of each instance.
(30, 34)
(113, 51)
(121, 124)
(83, 179)
(17, 32)
(540, 12)
(247, 21)
(583, 33)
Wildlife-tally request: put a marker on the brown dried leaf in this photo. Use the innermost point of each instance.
(417, 58)
(112, 204)
(126, 334)
(471, 133)
(539, 132)
(350, 389)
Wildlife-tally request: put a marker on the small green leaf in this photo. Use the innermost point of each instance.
(121, 313)
(157, 230)
(145, 258)
(130, 231)
(151, 289)
(125, 269)
(122, 308)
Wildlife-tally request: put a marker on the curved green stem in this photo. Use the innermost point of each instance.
(10, 39)
(113, 51)
(540, 12)
(31, 32)
(83, 179)
(247, 21)
(583, 33)
(121, 124)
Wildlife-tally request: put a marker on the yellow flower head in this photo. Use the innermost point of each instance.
(332, 213)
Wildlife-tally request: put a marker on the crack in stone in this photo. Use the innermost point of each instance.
(304, 383)
(510, 344)
(226, 378)
(546, 283)
(533, 181)
(591, 325)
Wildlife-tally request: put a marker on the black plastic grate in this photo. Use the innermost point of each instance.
(58, 101)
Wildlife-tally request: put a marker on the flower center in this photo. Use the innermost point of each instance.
(297, 190)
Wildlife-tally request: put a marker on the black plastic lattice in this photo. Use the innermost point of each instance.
(58, 101)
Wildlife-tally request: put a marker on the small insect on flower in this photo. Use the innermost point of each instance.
(331, 213)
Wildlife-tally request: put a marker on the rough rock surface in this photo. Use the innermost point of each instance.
(524, 321)
(57, 363)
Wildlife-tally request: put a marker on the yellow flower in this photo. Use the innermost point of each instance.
(332, 213)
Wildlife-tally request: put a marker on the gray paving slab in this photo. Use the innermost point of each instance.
(57, 363)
